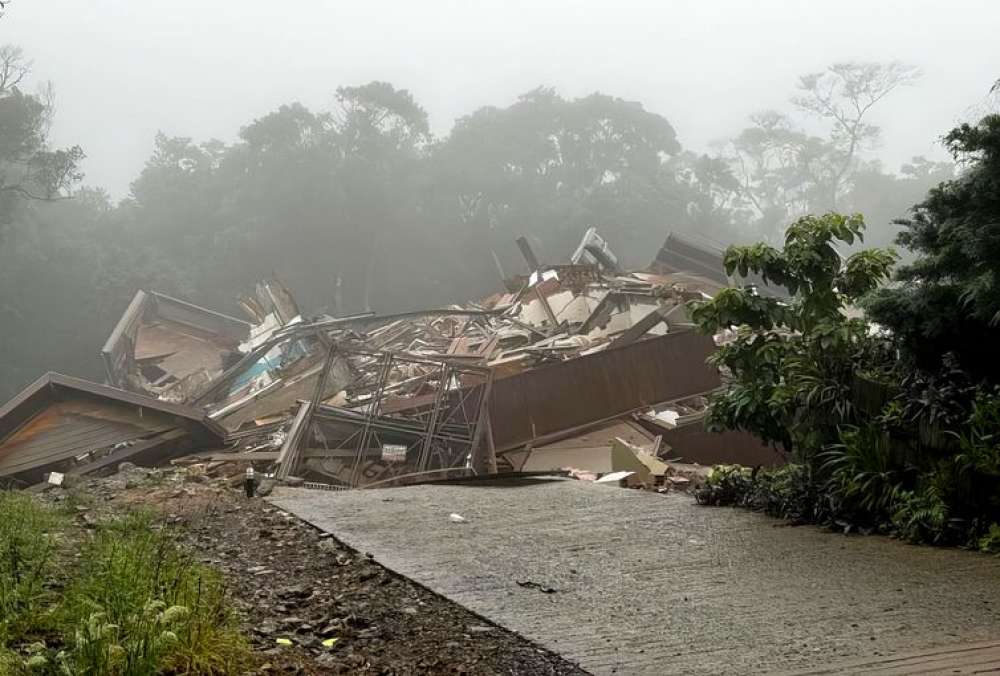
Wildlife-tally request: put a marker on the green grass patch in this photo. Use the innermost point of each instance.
(122, 600)
(29, 540)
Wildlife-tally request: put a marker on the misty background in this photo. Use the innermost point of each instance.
(193, 148)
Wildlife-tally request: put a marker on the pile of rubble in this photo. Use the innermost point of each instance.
(579, 366)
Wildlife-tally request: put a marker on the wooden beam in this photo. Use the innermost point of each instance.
(529, 255)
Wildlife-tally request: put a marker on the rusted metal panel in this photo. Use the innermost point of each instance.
(600, 386)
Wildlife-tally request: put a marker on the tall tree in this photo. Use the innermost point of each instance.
(885, 197)
(844, 95)
(550, 168)
(29, 168)
(382, 133)
(948, 299)
(782, 170)
(786, 172)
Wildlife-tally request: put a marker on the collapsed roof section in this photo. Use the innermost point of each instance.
(60, 423)
(698, 263)
(174, 350)
(168, 348)
(366, 400)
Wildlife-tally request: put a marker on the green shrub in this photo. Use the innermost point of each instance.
(990, 543)
(726, 485)
(878, 444)
(861, 478)
(923, 516)
(788, 492)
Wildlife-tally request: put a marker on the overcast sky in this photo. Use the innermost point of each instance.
(124, 69)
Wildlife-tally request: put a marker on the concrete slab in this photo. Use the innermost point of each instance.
(652, 584)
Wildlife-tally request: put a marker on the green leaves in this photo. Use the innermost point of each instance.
(864, 271)
(738, 307)
(790, 363)
(914, 451)
(948, 298)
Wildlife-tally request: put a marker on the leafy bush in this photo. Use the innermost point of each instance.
(923, 516)
(787, 491)
(862, 481)
(791, 366)
(990, 542)
(877, 444)
(979, 438)
(726, 485)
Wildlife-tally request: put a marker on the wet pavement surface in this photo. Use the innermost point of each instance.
(633, 582)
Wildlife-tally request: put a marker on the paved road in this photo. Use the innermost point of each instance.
(652, 584)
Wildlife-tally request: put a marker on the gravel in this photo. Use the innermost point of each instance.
(342, 612)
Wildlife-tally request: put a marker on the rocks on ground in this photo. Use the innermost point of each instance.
(309, 604)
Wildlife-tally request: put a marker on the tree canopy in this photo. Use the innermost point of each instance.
(359, 206)
(947, 300)
(29, 168)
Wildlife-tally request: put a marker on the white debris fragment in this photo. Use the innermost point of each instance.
(456, 518)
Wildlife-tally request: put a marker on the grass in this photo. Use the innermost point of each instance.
(122, 600)
(29, 537)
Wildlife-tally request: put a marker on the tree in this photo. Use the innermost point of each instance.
(550, 168)
(382, 133)
(876, 443)
(884, 197)
(948, 299)
(716, 203)
(29, 169)
(791, 363)
(786, 172)
(843, 95)
(378, 113)
(782, 169)
(311, 196)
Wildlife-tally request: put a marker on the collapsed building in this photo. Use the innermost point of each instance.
(580, 366)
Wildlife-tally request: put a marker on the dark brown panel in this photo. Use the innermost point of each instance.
(693, 443)
(600, 386)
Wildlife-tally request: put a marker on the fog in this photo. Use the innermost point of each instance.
(386, 156)
(125, 69)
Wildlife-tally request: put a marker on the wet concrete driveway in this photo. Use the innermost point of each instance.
(631, 582)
